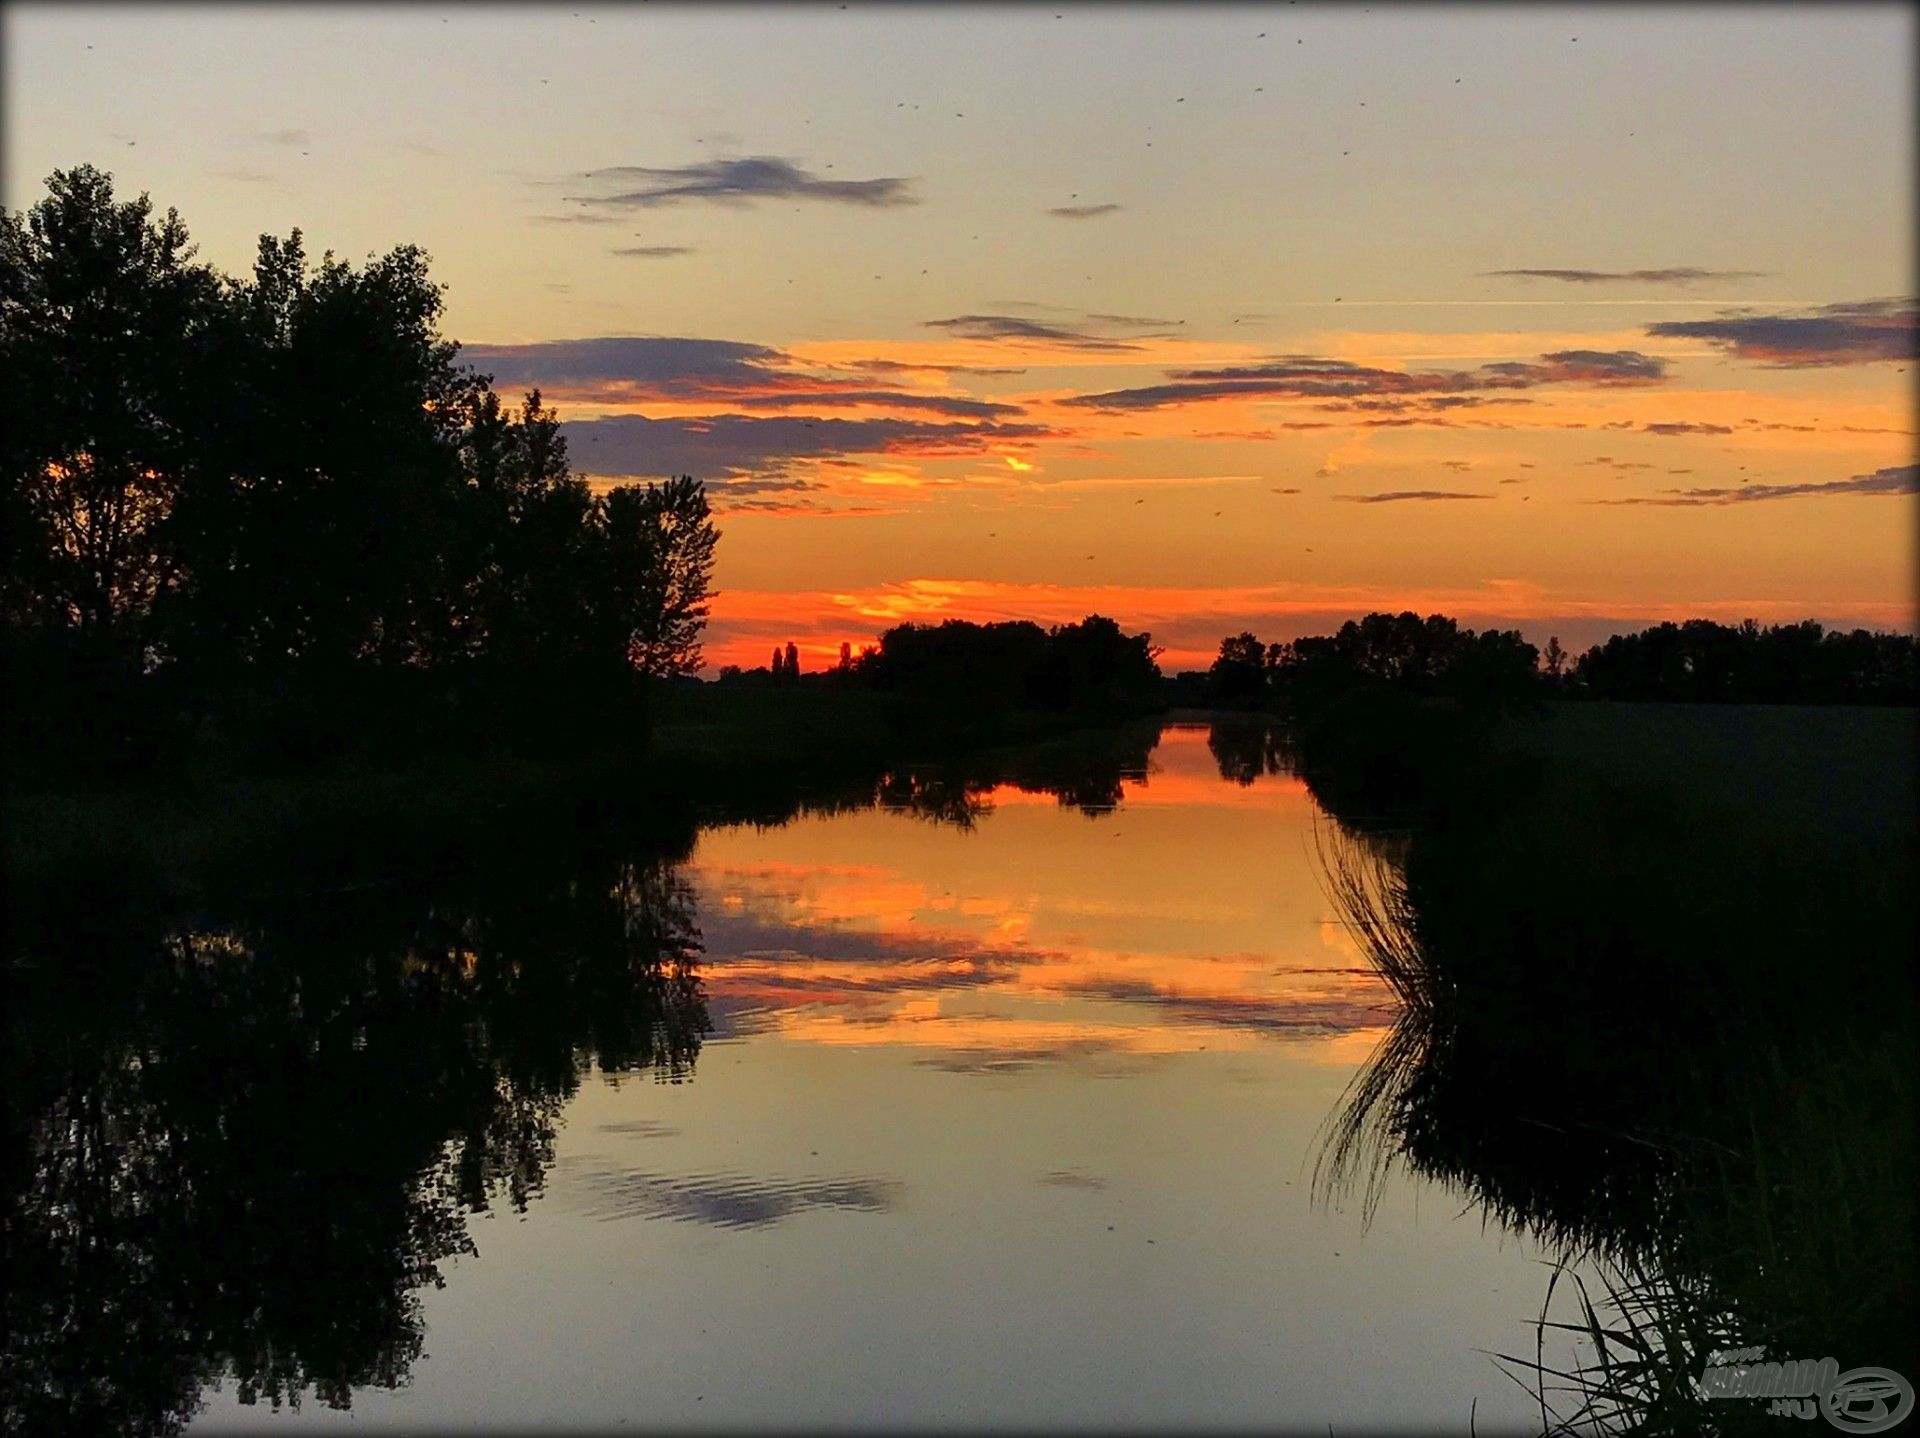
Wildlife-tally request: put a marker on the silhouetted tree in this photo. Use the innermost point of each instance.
(277, 515)
(660, 540)
(106, 327)
(1555, 658)
(1239, 675)
(104, 322)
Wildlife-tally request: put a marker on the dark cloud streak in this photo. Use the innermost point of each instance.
(1859, 332)
(739, 181)
(1896, 479)
(1676, 275)
(1393, 496)
(1313, 377)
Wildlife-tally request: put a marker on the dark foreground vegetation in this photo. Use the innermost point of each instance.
(1673, 1036)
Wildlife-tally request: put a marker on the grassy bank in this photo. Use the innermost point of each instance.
(1826, 771)
(1658, 999)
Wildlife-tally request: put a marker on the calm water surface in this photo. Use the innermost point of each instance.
(1008, 1123)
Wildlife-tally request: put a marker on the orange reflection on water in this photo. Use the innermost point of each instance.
(1190, 917)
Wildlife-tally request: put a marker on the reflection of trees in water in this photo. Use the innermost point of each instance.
(1247, 749)
(240, 1149)
(1617, 1033)
(1088, 773)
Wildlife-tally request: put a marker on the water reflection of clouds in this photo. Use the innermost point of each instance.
(938, 986)
(1034, 939)
(639, 1128)
(1069, 1178)
(720, 1200)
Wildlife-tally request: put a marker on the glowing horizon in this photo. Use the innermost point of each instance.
(1207, 319)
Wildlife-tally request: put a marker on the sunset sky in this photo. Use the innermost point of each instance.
(1209, 319)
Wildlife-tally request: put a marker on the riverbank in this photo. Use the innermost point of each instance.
(1827, 771)
(1657, 998)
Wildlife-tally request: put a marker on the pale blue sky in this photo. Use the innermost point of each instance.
(1766, 138)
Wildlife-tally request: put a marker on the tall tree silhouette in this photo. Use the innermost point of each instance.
(104, 321)
(282, 505)
(659, 553)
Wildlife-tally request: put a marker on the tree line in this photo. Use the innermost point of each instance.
(1700, 660)
(988, 669)
(1427, 658)
(1434, 657)
(275, 517)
